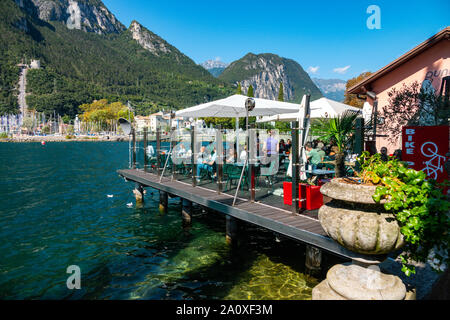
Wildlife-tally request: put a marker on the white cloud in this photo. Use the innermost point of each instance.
(313, 69)
(217, 59)
(341, 70)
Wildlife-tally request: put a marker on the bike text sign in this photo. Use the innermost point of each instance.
(424, 148)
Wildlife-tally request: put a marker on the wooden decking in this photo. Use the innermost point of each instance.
(300, 227)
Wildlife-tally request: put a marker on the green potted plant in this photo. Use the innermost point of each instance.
(387, 208)
(339, 130)
(419, 206)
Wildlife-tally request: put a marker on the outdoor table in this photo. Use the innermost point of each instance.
(319, 172)
(347, 163)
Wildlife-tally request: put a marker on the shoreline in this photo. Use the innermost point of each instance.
(64, 139)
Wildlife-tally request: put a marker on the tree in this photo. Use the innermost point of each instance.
(352, 99)
(281, 93)
(250, 91)
(413, 105)
(226, 123)
(239, 89)
(27, 123)
(104, 114)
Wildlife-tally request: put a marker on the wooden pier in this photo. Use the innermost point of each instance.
(300, 227)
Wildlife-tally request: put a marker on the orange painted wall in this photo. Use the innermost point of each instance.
(433, 64)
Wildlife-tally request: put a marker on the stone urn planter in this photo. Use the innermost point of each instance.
(359, 224)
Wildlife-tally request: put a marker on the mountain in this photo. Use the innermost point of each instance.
(331, 88)
(265, 72)
(93, 57)
(215, 67)
(86, 15)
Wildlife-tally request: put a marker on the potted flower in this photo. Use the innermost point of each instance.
(419, 206)
(388, 207)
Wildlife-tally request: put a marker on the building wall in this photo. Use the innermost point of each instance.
(432, 64)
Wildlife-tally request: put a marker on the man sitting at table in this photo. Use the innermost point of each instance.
(313, 156)
(205, 162)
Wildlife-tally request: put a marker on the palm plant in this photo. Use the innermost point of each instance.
(340, 130)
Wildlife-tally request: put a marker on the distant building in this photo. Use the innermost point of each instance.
(35, 64)
(142, 121)
(428, 64)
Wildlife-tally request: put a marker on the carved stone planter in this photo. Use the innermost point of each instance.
(359, 224)
(356, 222)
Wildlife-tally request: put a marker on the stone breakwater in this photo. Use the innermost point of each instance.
(63, 138)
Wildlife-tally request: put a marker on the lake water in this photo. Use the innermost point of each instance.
(55, 212)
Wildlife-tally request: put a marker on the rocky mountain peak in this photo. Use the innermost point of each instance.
(148, 40)
(86, 15)
(264, 72)
(216, 63)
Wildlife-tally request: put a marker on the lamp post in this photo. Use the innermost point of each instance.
(249, 106)
(128, 129)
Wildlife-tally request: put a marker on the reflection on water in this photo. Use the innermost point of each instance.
(266, 280)
(55, 212)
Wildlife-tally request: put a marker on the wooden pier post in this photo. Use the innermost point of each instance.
(313, 260)
(186, 212)
(231, 233)
(145, 149)
(163, 202)
(139, 193)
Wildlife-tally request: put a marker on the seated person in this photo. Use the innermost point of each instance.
(333, 152)
(288, 146)
(313, 156)
(282, 147)
(180, 151)
(243, 155)
(384, 154)
(398, 154)
(230, 156)
(321, 151)
(206, 162)
(150, 151)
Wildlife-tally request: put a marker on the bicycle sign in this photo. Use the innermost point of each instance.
(424, 148)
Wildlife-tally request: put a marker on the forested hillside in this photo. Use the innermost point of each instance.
(79, 67)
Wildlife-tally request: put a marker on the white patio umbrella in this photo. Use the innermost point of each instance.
(320, 108)
(234, 107)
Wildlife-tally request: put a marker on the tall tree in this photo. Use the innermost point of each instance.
(250, 91)
(239, 89)
(281, 93)
(352, 99)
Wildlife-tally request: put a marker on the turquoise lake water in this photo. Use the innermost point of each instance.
(55, 212)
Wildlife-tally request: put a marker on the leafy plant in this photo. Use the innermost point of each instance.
(339, 130)
(419, 205)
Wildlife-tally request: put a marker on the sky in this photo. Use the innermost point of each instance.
(329, 39)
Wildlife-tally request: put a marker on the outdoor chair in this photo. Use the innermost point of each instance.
(232, 173)
(269, 174)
